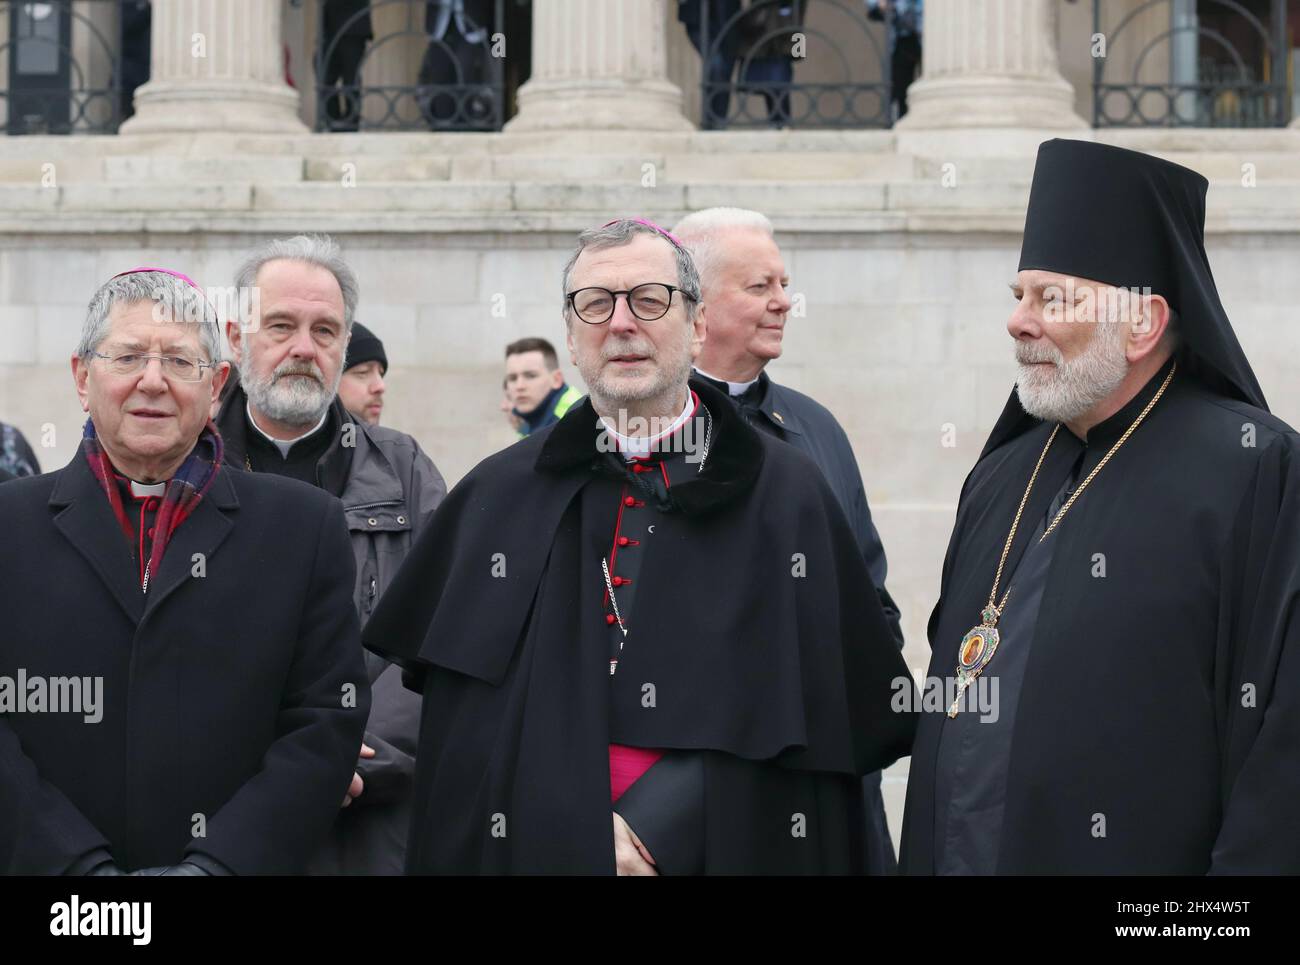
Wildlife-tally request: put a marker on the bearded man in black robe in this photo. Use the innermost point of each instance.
(1123, 575)
(640, 632)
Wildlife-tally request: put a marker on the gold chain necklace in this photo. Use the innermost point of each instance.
(980, 643)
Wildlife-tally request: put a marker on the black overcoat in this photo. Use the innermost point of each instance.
(227, 727)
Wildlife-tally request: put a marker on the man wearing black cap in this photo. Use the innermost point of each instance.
(1116, 672)
(361, 390)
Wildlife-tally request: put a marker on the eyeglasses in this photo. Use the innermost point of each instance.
(648, 302)
(177, 367)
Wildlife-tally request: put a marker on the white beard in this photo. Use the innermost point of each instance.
(291, 401)
(1070, 389)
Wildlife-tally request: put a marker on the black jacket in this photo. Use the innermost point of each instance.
(234, 693)
(766, 658)
(389, 489)
(340, 19)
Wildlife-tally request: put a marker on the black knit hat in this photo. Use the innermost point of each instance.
(365, 346)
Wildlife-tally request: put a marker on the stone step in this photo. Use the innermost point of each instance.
(165, 169)
(611, 197)
(1230, 157)
(963, 200)
(645, 170)
(639, 168)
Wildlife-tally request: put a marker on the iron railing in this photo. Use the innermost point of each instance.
(71, 67)
(1228, 86)
(458, 84)
(750, 60)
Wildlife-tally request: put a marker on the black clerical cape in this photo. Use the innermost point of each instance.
(752, 645)
(1157, 717)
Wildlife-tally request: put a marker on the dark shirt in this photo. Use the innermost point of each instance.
(621, 507)
(975, 746)
(141, 512)
(306, 459)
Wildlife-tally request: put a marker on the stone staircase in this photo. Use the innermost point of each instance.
(872, 181)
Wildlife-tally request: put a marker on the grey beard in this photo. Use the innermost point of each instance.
(291, 401)
(1078, 385)
(607, 400)
(610, 392)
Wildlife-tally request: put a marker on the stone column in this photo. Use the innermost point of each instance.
(600, 64)
(990, 64)
(216, 66)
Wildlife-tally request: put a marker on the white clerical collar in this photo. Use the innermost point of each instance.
(284, 445)
(634, 446)
(733, 388)
(140, 490)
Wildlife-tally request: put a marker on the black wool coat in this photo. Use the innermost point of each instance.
(234, 693)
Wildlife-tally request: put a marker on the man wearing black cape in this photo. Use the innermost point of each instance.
(639, 632)
(1136, 513)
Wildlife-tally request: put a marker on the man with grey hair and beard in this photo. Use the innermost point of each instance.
(1120, 589)
(640, 631)
(284, 417)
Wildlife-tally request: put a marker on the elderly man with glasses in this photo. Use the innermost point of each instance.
(639, 632)
(182, 689)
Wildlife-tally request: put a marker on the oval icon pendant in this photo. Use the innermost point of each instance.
(973, 655)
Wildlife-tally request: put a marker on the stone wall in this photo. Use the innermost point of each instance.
(902, 281)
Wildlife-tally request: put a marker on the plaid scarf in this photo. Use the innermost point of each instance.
(184, 490)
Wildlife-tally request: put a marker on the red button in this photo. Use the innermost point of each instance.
(638, 468)
(617, 581)
(610, 619)
(622, 540)
(629, 501)
(151, 532)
